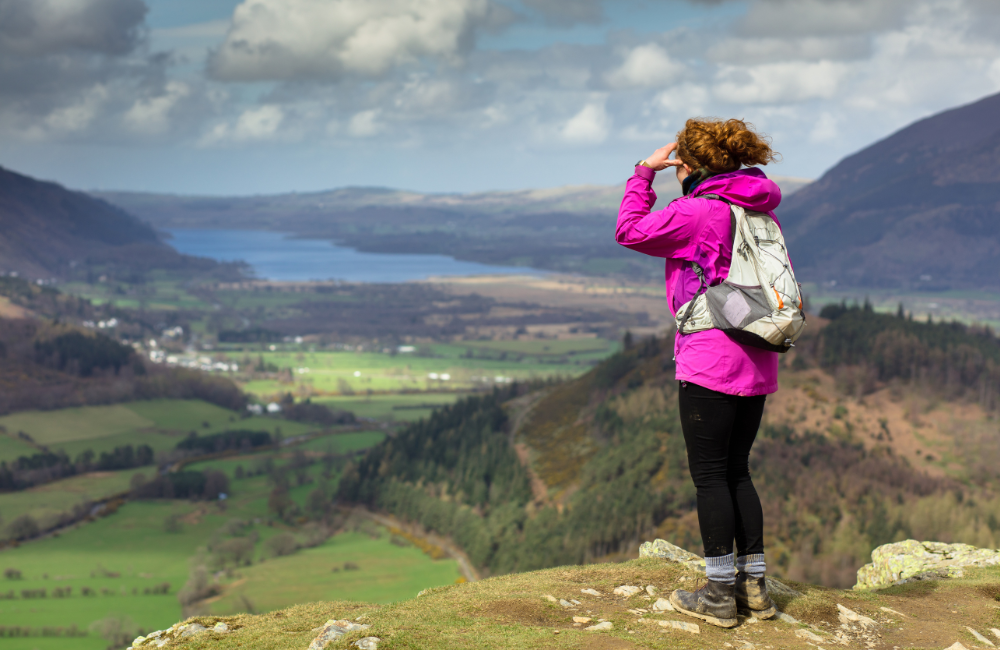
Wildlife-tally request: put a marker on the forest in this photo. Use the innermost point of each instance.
(608, 450)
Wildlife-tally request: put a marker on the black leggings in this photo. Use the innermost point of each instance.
(719, 431)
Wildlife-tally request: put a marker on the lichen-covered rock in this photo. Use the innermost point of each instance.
(661, 548)
(367, 643)
(333, 630)
(912, 560)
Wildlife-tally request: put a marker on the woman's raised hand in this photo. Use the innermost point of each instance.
(660, 159)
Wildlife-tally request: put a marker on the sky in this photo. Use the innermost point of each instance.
(222, 97)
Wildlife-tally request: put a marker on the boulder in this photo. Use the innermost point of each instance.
(902, 562)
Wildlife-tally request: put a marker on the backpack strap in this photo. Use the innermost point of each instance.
(732, 214)
(700, 272)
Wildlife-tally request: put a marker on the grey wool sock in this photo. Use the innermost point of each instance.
(721, 569)
(754, 565)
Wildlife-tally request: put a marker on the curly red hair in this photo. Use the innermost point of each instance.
(723, 146)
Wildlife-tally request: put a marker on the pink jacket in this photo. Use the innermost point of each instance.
(695, 229)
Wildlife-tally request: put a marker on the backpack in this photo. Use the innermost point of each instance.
(759, 303)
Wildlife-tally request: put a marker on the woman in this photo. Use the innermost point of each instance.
(723, 384)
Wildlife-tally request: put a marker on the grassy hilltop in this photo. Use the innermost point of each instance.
(517, 611)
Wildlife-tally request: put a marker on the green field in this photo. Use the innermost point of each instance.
(404, 407)
(11, 448)
(434, 368)
(386, 573)
(161, 424)
(46, 502)
(122, 554)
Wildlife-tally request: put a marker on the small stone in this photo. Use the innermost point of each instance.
(850, 616)
(681, 625)
(574, 601)
(979, 637)
(808, 636)
(892, 611)
(581, 619)
(606, 625)
(550, 598)
(627, 591)
(956, 646)
(651, 590)
(785, 618)
(193, 629)
(746, 645)
(367, 643)
(753, 620)
(662, 605)
(566, 603)
(995, 632)
(591, 592)
(220, 628)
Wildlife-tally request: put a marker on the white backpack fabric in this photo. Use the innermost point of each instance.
(759, 303)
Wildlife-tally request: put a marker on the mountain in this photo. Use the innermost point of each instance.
(47, 230)
(917, 210)
(566, 229)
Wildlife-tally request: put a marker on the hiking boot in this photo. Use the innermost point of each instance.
(714, 603)
(751, 593)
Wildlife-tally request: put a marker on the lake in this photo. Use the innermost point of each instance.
(278, 256)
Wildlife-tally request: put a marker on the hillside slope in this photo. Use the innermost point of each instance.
(859, 448)
(919, 209)
(47, 230)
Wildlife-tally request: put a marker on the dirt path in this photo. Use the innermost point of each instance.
(453, 551)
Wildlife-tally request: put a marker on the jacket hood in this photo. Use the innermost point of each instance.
(748, 188)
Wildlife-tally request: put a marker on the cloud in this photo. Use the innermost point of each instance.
(256, 124)
(365, 124)
(151, 115)
(589, 126)
(281, 40)
(78, 116)
(647, 66)
(567, 12)
(780, 83)
(40, 27)
(822, 17)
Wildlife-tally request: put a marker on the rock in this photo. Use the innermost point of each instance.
(367, 643)
(651, 590)
(848, 616)
(662, 605)
(220, 628)
(606, 625)
(591, 592)
(550, 598)
(661, 548)
(903, 562)
(785, 618)
(566, 603)
(746, 645)
(956, 646)
(808, 636)
(681, 625)
(892, 611)
(333, 630)
(775, 588)
(979, 637)
(192, 629)
(581, 619)
(627, 591)
(995, 632)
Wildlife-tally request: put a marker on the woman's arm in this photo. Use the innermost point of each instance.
(666, 233)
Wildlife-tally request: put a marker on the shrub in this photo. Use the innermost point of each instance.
(24, 527)
(281, 544)
(12, 574)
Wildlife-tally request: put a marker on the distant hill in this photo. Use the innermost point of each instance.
(917, 210)
(568, 229)
(47, 230)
